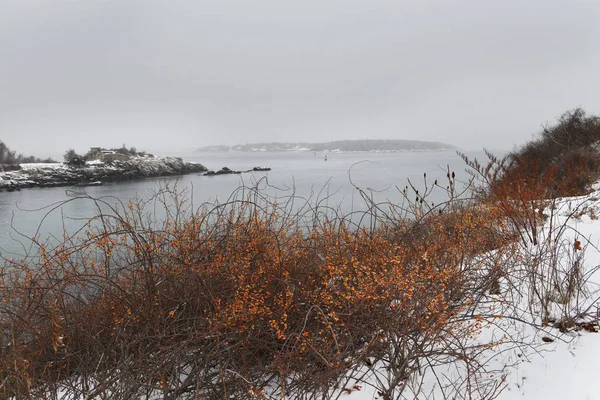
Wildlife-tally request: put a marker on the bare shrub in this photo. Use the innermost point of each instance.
(239, 299)
(550, 273)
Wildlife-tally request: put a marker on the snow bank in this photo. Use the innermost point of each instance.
(532, 361)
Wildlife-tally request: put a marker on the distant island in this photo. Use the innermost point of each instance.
(372, 145)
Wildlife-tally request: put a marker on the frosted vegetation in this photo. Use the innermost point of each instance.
(257, 299)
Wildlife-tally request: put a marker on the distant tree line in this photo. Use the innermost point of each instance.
(10, 157)
(339, 145)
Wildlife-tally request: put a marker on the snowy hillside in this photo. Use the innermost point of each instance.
(529, 358)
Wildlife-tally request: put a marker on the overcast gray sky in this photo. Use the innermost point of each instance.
(176, 74)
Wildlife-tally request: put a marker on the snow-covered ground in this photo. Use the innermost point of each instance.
(28, 167)
(567, 367)
(532, 361)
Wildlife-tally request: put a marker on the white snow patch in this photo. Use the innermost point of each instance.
(565, 366)
(43, 166)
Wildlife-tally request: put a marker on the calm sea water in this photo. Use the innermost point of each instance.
(331, 183)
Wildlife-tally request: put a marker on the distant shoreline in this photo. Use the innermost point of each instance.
(325, 151)
(340, 146)
(94, 173)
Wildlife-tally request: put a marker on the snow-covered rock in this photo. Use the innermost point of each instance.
(59, 174)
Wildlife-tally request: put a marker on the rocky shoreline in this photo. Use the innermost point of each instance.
(227, 171)
(94, 173)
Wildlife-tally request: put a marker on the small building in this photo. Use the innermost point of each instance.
(104, 155)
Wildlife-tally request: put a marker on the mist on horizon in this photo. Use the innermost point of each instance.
(175, 76)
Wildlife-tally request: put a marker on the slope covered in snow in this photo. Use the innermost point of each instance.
(524, 354)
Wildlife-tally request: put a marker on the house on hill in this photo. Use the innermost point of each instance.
(105, 155)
